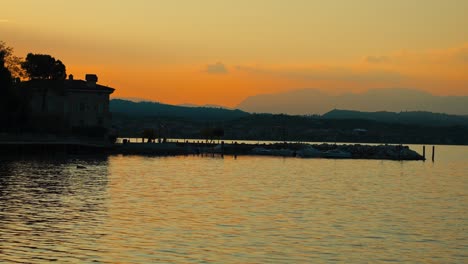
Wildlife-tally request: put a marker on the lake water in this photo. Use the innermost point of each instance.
(134, 209)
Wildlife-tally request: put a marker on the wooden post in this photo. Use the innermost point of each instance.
(424, 152)
(235, 150)
(222, 148)
(433, 153)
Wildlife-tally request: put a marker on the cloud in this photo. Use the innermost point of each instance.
(4, 20)
(217, 68)
(377, 59)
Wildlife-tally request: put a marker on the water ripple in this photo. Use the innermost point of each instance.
(130, 209)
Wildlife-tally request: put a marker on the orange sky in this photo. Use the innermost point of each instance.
(220, 52)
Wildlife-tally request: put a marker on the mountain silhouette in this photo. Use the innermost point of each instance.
(205, 105)
(148, 109)
(312, 101)
(413, 117)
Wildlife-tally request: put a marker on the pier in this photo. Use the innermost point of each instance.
(346, 151)
(76, 145)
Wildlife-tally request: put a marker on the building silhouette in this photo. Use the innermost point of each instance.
(69, 106)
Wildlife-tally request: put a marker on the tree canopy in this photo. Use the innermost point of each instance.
(210, 133)
(9, 99)
(43, 66)
(5, 75)
(11, 62)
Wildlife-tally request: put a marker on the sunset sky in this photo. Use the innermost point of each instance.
(220, 52)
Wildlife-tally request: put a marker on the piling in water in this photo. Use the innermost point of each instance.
(433, 153)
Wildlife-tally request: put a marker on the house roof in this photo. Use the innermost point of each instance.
(62, 86)
(83, 85)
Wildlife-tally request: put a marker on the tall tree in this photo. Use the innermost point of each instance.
(44, 66)
(7, 98)
(5, 75)
(59, 71)
(12, 62)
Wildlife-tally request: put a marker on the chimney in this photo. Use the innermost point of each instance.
(70, 77)
(91, 80)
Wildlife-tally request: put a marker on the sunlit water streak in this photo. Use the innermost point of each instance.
(133, 209)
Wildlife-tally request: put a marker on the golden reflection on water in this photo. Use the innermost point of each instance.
(132, 209)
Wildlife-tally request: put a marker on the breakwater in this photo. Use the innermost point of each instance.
(350, 151)
(301, 150)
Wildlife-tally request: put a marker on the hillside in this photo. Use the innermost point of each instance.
(413, 117)
(148, 109)
(311, 101)
(338, 125)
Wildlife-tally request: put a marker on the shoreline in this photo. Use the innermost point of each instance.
(299, 150)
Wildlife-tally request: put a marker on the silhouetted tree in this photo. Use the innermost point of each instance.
(9, 99)
(59, 71)
(5, 75)
(150, 134)
(43, 66)
(209, 133)
(12, 62)
(218, 133)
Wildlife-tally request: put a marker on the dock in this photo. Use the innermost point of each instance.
(301, 150)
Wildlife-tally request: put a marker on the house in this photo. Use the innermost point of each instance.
(69, 105)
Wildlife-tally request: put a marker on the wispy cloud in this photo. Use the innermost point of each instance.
(217, 68)
(377, 59)
(4, 20)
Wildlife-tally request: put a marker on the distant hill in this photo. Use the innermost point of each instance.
(131, 118)
(311, 101)
(207, 105)
(148, 109)
(415, 117)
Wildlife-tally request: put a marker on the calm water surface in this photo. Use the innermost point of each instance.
(133, 209)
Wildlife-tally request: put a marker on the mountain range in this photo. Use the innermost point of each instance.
(151, 109)
(412, 117)
(216, 114)
(131, 118)
(312, 101)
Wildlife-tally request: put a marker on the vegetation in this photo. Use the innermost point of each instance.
(212, 133)
(5, 74)
(409, 117)
(11, 62)
(148, 109)
(149, 134)
(15, 110)
(9, 97)
(298, 128)
(43, 66)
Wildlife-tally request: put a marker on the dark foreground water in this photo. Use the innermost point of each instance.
(131, 209)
